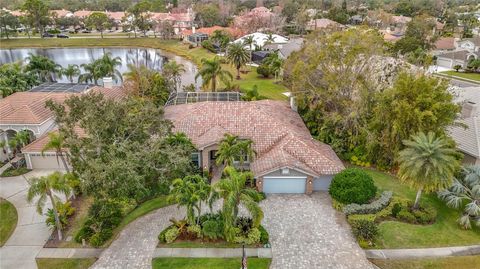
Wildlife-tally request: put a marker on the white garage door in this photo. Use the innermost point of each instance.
(45, 162)
(284, 184)
(444, 63)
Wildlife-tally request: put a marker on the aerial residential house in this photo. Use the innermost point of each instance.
(288, 159)
(179, 21)
(398, 25)
(257, 19)
(196, 36)
(261, 39)
(320, 24)
(466, 50)
(445, 44)
(467, 137)
(285, 49)
(26, 111)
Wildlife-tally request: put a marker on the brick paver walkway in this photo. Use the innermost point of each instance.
(135, 246)
(306, 232)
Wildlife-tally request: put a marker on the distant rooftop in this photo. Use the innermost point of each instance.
(178, 98)
(61, 87)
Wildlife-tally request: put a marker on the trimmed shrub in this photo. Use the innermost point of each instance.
(195, 230)
(397, 207)
(84, 233)
(161, 236)
(213, 229)
(171, 234)
(264, 237)
(264, 70)
(352, 185)
(371, 208)
(406, 216)
(365, 229)
(253, 236)
(101, 237)
(208, 45)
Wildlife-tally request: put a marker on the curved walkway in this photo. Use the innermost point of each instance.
(135, 246)
(31, 232)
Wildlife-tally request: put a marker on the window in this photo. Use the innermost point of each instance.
(196, 158)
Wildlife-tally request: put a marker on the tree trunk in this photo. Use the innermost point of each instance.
(214, 83)
(64, 161)
(57, 219)
(417, 198)
(101, 34)
(238, 72)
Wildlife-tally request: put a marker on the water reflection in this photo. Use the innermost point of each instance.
(152, 58)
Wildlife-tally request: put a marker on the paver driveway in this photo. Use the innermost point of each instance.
(306, 232)
(31, 232)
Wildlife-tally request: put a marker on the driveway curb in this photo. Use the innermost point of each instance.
(384, 254)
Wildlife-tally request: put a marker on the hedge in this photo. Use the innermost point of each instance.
(371, 208)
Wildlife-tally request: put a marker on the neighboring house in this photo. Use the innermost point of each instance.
(398, 25)
(284, 50)
(261, 39)
(468, 137)
(466, 50)
(288, 159)
(445, 44)
(208, 31)
(26, 111)
(318, 24)
(253, 20)
(179, 21)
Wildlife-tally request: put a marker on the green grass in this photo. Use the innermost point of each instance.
(266, 87)
(8, 220)
(209, 263)
(48, 263)
(12, 172)
(471, 76)
(444, 232)
(463, 262)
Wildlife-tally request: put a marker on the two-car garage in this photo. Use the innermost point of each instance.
(295, 184)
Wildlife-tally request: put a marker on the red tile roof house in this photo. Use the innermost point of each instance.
(27, 111)
(288, 159)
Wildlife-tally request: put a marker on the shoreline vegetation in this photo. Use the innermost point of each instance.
(266, 87)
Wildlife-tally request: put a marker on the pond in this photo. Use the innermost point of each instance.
(152, 58)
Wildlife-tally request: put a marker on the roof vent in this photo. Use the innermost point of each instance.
(107, 82)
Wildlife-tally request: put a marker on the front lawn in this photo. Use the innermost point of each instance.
(209, 263)
(463, 262)
(12, 172)
(266, 87)
(471, 76)
(8, 220)
(49, 263)
(444, 232)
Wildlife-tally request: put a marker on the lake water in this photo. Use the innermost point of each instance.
(152, 58)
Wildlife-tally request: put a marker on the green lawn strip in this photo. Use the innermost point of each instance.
(199, 244)
(266, 87)
(444, 232)
(8, 220)
(462, 262)
(12, 172)
(471, 76)
(141, 210)
(51, 263)
(209, 263)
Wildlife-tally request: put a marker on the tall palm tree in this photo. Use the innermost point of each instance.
(43, 67)
(233, 148)
(23, 138)
(45, 187)
(108, 66)
(233, 191)
(269, 39)
(274, 62)
(173, 72)
(212, 73)
(190, 192)
(55, 142)
(249, 41)
(237, 55)
(91, 74)
(465, 192)
(72, 70)
(427, 163)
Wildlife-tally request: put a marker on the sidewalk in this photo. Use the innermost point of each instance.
(67, 253)
(212, 252)
(422, 252)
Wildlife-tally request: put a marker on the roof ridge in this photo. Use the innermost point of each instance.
(312, 148)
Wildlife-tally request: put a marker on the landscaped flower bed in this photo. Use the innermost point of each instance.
(210, 231)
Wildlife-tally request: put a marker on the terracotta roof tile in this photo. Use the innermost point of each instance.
(280, 137)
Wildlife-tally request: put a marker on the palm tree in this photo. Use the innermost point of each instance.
(55, 142)
(173, 72)
(427, 163)
(245, 148)
(108, 66)
(274, 62)
(269, 39)
(190, 192)
(23, 138)
(233, 191)
(465, 192)
(228, 150)
(237, 55)
(211, 71)
(72, 70)
(91, 73)
(43, 67)
(249, 41)
(44, 187)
